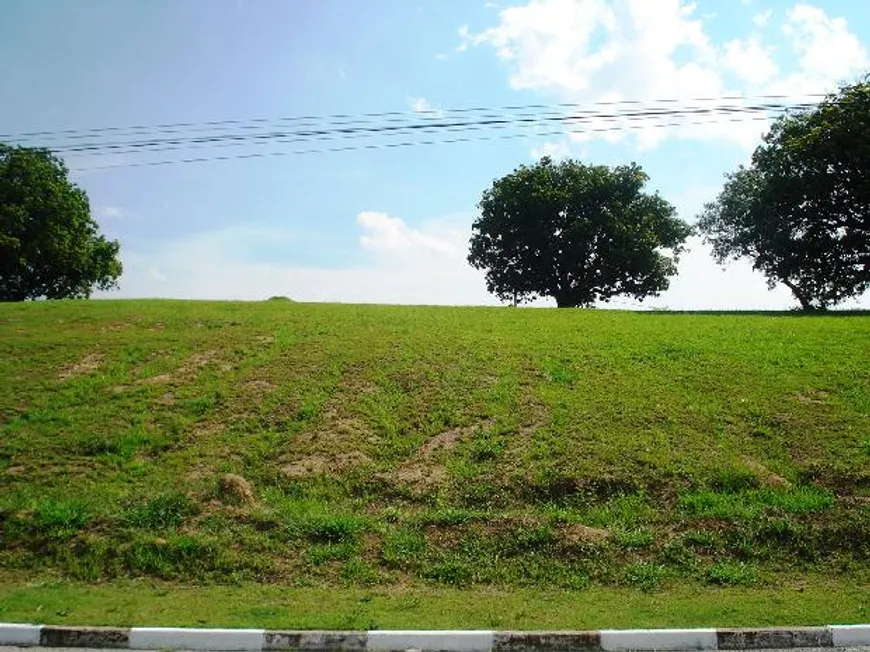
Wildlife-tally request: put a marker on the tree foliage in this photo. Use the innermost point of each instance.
(801, 210)
(578, 233)
(49, 245)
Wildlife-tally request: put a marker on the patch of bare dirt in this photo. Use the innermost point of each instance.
(197, 361)
(577, 533)
(442, 441)
(360, 385)
(258, 388)
(15, 470)
(197, 473)
(419, 475)
(91, 362)
(765, 476)
(420, 471)
(506, 524)
(156, 380)
(816, 396)
(318, 463)
(335, 430)
(207, 429)
(193, 364)
(264, 339)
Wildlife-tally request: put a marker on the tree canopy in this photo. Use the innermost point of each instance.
(801, 210)
(50, 247)
(577, 233)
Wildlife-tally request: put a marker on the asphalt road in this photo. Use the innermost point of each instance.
(81, 649)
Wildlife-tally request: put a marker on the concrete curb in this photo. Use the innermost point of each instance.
(259, 640)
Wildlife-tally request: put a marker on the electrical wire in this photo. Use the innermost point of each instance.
(406, 144)
(325, 135)
(347, 118)
(391, 129)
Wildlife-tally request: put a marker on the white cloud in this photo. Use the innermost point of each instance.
(440, 57)
(422, 106)
(591, 51)
(760, 20)
(750, 61)
(110, 212)
(555, 150)
(704, 285)
(156, 275)
(829, 52)
(392, 236)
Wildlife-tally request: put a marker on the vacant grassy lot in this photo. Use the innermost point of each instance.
(376, 446)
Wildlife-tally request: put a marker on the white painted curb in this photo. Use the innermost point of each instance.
(658, 639)
(23, 635)
(845, 635)
(179, 638)
(430, 641)
(257, 640)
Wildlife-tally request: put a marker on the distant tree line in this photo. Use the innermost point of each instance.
(800, 212)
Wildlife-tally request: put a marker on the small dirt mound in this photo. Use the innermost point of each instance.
(235, 490)
(577, 533)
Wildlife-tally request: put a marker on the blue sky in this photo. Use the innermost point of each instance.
(391, 225)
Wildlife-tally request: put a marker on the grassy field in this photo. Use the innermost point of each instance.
(442, 451)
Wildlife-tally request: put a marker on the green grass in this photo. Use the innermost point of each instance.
(812, 601)
(476, 448)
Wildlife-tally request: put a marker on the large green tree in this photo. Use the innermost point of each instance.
(50, 247)
(801, 211)
(577, 233)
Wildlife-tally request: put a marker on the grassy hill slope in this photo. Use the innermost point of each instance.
(333, 444)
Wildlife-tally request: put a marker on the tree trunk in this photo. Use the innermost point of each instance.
(565, 302)
(805, 301)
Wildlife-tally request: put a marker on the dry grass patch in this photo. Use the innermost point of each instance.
(766, 477)
(325, 463)
(235, 490)
(577, 533)
(91, 362)
(421, 472)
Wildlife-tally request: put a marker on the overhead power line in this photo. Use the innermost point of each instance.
(163, 144)
(390, 129)
(390, 145)
(389, 116)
